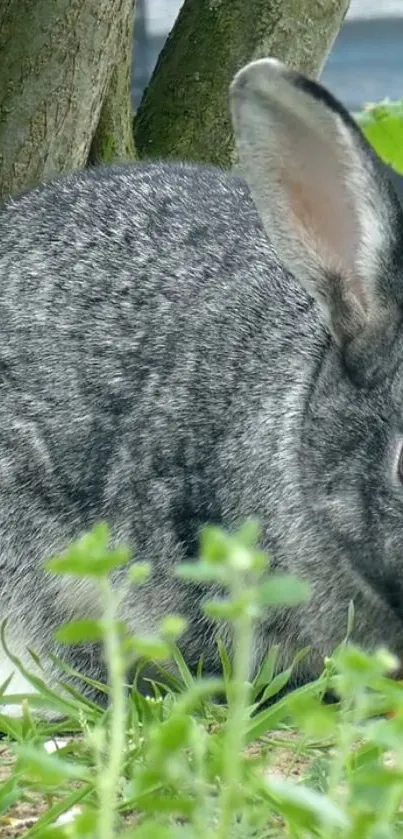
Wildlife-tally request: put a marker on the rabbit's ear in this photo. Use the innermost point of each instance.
(331, 215)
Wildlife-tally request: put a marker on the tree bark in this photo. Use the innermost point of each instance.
(113, 139)
(184, 112)
(58, 65)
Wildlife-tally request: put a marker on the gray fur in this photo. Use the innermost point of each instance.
(160, 368)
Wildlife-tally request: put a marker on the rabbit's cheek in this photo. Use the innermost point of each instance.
(392, 556)
(344, 515)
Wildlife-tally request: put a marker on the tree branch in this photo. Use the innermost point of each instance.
(184, 112)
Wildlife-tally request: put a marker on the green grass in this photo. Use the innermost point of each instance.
(382, 124)
(180, 764)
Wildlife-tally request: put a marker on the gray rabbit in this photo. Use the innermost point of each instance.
(182, 346)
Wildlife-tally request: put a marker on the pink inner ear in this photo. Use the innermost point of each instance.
(324, 219)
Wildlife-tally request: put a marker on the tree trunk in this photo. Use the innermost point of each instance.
(184, 112)
(113, 140)
(58, 65)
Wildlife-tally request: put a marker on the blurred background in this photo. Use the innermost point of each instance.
(366, 63)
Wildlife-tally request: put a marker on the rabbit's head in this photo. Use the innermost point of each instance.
(337, 226)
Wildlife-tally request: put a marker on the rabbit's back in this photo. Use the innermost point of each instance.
(145, 294)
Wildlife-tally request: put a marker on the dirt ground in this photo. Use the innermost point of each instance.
(22, 817)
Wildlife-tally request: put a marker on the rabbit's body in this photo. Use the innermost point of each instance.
(135, 379)
(162, 369)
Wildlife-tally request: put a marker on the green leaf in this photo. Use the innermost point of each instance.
(54, 832)
(139, 573)
(90, 555)
(372, 784)
(173, 627)
(226, 609)
(306, 807)
(179, 804)
(45, 824)
(387, 734)
(9, 793)
(202, 572)
(45, 696)
(49, 769)
(197, 693)
(266, 673)
(314, 718)
(215, 545)
(249, 533)
(173, 734)
(86, 824)
(279, 682)
(150, 648)
(226, 663)
(382, 125)
(98, 686)
(269, 718)
(184, 671)
(80, 631)
(356, 669)
(11, 727)
(152, 830)
(282, 590)
(366, 756)
(276, 685)
(5, 684)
